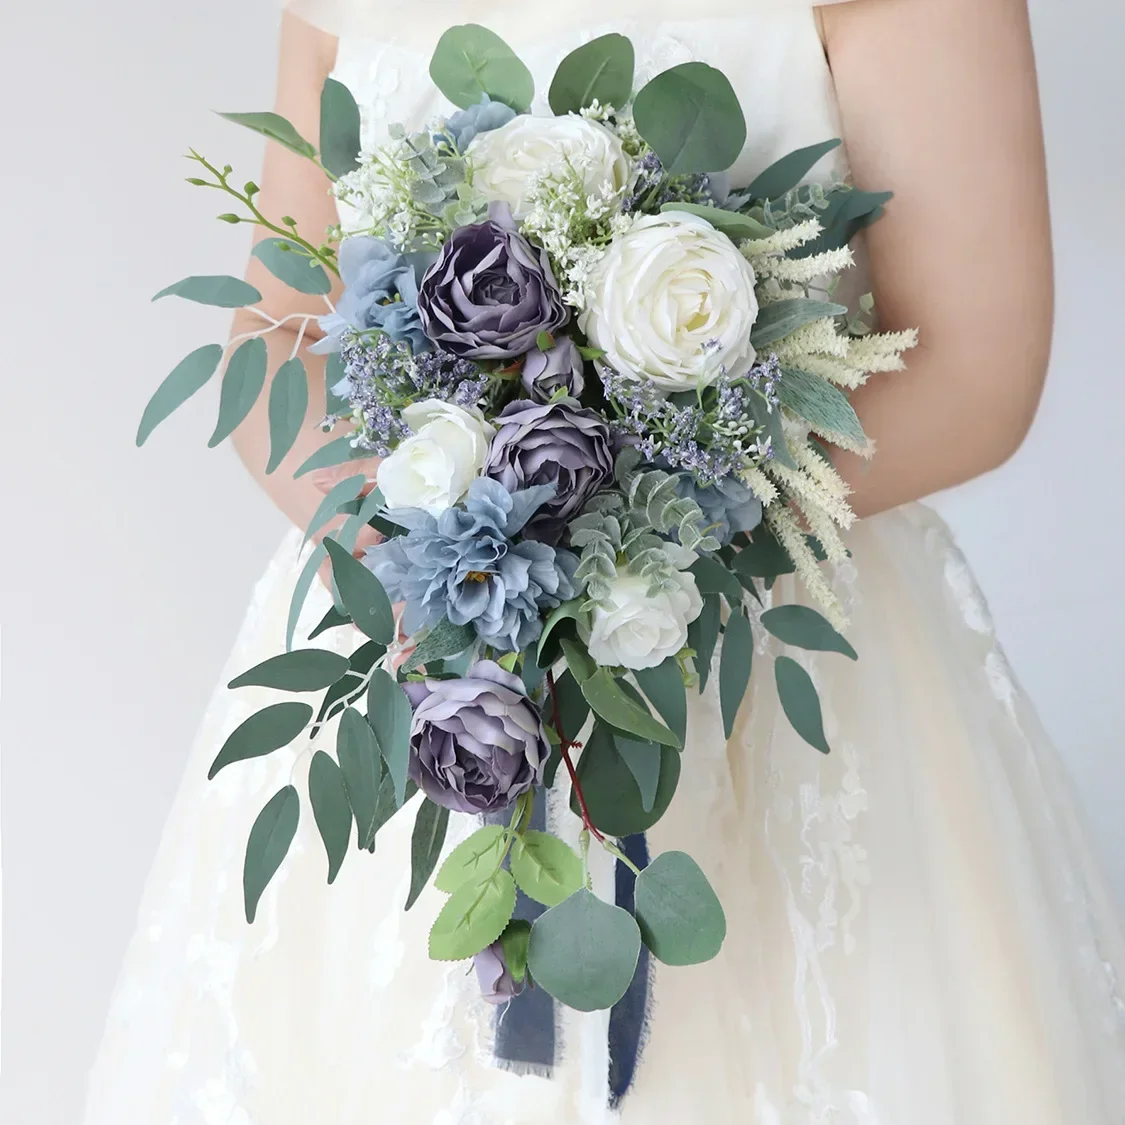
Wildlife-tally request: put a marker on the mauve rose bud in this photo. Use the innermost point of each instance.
(562, 445)
(477, 743)
(557, 369)
(497, 984)
(490, 293)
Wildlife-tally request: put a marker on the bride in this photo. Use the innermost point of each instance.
(919, 934)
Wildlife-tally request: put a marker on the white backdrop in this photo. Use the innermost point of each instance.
(123, 574)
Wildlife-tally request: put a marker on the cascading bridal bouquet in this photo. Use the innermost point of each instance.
(599, 380)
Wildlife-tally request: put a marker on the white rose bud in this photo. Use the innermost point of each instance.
(672, 300)
(633, 629)
(505, 159)
(433, 468)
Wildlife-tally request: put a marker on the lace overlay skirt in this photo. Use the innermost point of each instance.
(918, 932)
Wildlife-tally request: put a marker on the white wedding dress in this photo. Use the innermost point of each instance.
(918, 931)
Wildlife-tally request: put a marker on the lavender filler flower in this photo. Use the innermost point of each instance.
(564, 446)
(476, 743)
(490, 293)
(463, 565)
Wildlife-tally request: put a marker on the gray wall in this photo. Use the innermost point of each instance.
(123, 574)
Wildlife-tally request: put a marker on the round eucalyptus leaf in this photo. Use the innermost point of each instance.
(545, 868)
(471, 61)
(691, 117)
(264, 732)
(304, 669)
(269, 843)
(473, 918)
(601, 71)
(680, 916)
(584, 952)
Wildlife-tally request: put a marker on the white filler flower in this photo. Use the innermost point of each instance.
(672, 300)
(433, 468)
(507, 160)
(634, 629)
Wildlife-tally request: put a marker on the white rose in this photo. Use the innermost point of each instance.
(433, 468)
(633, 629)
(673, 300)
(505, 159)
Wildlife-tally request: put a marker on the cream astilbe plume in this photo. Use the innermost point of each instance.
(759, 249)
(784, 525)
(760, 485)
(809, 492)
(881, 351)
(804, 271)
(837, 371)
(819, 337)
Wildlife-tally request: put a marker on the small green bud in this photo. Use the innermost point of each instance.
(195, 181)
(227, 169)
(229, 218)
(288, 220)
(251, 188)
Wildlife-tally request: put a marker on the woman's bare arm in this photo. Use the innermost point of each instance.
(295, 187)
(939, 104)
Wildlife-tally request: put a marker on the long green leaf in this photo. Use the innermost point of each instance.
(264, 732)
(800, 702)
(443, 640)
(363, 595)
(220, 290)
(703, 635)
(786, 173)
(471, 61)
(269, 843)
(425, 847)
(291, 265)
(301, 592)
(337, 496)
(389, 714)
(339, 128)
(307, 669)
(664, 688)
(803, 627)
(608, 700)
(276, 128)
(188, 376)
(362, 767)
(331, 809)
(289, 403)
(337, 452)
(601, 71)
(242, 384)
(643, 760)
(736, 226)
(734, 668)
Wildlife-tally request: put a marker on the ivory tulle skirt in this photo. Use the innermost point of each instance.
(918, 932)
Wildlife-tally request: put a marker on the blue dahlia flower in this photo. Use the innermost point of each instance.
(484, 117)
(728, 504)
(464, 565)
(381, 292)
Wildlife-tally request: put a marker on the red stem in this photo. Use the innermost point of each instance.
(565, 745)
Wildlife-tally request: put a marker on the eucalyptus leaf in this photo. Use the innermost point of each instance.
(471, 61)
(712, 577)
(690, 115)
(221, 290)
(264, 732)
(426, 843)
(362, 766)
(803, 627)
(269, 843)
(599, 71)
(546, 869)
(339, 128)
(363, 595)
(443, 640)
(643, 760)
(348, 690)
(584, 952)
(736, 226)
(782, 318)
(276, 128)
(242, 384)
(764, 556)
(334, 371)
(785, 174)
(568, 611)
(306, 669)
(703, 635)
(301, 592)
(339, 451)
(333, 619)
(331, 809)
(680, 916)
(820, 403)
(192, 373)
(734, 668)
(336, 497)
(289, 403)
(474, 859)
(849, 210)
(581, 664)
(664, 688)
(474, 917)
(291, 265)
(800, 702)
(608, 700)
(389, 715)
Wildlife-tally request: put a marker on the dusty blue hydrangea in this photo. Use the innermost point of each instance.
(464, 565)
(728, 505)
(463, 127)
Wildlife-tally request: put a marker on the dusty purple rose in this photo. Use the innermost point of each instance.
(490, 293)
(497, 985)
(561, 445)
(476, 743)
(557, 369)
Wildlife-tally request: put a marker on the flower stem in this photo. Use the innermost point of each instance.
(565, 746)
